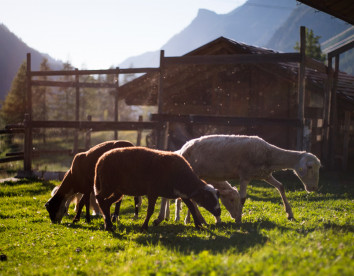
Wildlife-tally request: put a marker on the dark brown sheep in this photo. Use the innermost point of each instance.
(141, 171)
(79, 179)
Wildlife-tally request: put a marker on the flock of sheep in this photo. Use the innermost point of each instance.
(106, 172)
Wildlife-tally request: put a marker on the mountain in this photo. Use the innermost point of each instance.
(322, 24)
(13, 54)
(252, 23)
(273, 24)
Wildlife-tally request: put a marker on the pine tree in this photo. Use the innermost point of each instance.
(313, 47)
(14, 106)
(41, 95)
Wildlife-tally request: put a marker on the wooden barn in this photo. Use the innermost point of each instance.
(252, 91)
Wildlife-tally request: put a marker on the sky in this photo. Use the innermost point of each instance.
(98, 34)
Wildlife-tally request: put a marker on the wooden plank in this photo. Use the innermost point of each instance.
(139, 134)
(73, 72)
(138, 70)
(15, 153)
(11, 159)
(96, 126)
(95, 72)
(77, 111)
(11, 131)
(160, 100)
(27, 161)
(225, 120)
(73, 84)
(233, 59)
(334, 113)
(301, 88)
(116, 93)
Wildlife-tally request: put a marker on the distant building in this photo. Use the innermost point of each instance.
(267, 90)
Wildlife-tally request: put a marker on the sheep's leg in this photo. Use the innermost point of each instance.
(162, 214)
(243, 195)
(192, 208)
(150, 211)
(137, 204)
(105, 205)
(86, 198)
(200, 217)
(178, 208)
(115, 215)
(82, 202)
(275, 183)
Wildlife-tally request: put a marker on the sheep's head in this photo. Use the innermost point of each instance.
(208, 197)
(231, 200)
(56, 206)
(308, 171)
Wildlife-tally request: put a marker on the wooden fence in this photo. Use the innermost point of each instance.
(160, 121)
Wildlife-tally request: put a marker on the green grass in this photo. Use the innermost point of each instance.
(319, 242)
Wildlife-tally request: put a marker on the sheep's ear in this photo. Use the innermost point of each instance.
(310, 164)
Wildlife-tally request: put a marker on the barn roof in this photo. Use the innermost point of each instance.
(135, 92)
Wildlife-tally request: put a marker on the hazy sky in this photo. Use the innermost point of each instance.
(96, 34)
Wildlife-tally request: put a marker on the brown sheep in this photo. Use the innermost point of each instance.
(79, 179)
(141, 171)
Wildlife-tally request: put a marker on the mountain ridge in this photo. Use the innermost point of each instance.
(13, 54)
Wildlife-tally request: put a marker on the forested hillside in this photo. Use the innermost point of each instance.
(12, 54)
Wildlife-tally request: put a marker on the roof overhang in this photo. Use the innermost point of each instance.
(342, 9)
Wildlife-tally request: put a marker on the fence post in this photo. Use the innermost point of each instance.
(77, 111)
(88, 135)
(160, 130)
(327, 114)
(347, 119)
(138, 138)
(27, 161)
(301, 89)
(116, 93)
(334, 114)
(307, 135)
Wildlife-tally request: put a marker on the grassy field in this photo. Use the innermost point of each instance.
(319, 242)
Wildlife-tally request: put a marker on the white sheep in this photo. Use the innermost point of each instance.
(222, 157)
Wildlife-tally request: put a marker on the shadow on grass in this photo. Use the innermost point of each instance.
(237, 237)
(19, 188)
(339, 228)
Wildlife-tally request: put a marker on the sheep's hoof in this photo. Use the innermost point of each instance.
(156, 222)
(143, 229)
(291, 218)
(88, 220)
(109, 228)
(76, 219)
(114, 218)
(198, 226)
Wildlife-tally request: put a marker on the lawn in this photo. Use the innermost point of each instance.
(319, 242)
